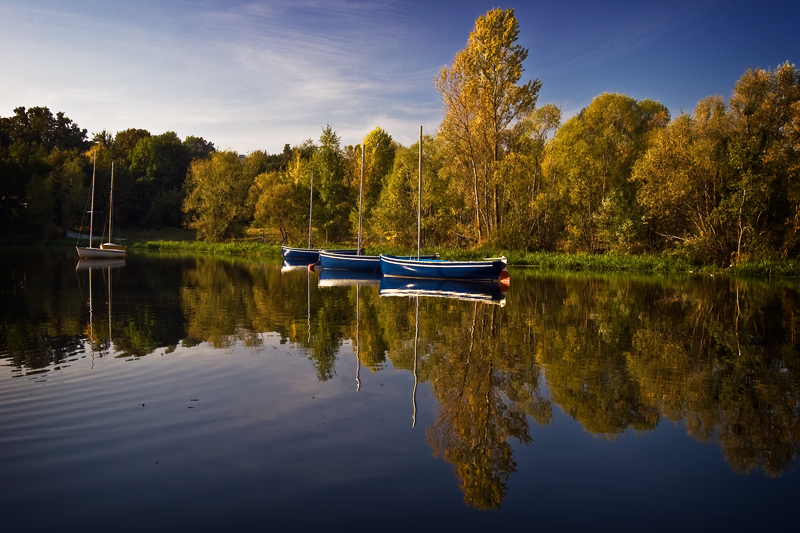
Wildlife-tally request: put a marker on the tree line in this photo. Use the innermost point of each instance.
(46, 164)
(621, 176)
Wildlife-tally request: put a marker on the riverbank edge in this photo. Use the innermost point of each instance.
(609, 262)
(662, 263)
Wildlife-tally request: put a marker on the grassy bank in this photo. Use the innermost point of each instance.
(557, 261)
(766, 268)
(222, 248)
(563, 261)
(543, 260)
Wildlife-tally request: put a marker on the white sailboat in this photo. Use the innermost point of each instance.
(107, 250)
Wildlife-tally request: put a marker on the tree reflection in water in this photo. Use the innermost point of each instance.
(617, 353)
(476, 417)
(484, 390)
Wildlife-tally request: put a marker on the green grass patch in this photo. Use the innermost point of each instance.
(766, 268)
(182, 241)
(602, 262)
(563, 261)
(257, 249)
(243, 248)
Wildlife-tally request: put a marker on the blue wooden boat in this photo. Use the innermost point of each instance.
(491, 269)
(309, 254)
(485, 270)
(300, 254)
(335, 260)
(480, 291)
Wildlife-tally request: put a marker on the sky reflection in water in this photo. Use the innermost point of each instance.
(200, 393)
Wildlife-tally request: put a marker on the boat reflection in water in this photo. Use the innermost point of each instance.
(351, 278)
(290, 265)
(348, 278)
(480, 291)
(84, 264)
(99, 340)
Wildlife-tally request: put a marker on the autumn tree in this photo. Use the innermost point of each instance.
(766, 160)
(394, 219)
(683, 177)
(280, 199)
(723, 184)
(592, 157)
(216, 196)
(535, 214)
(328, 165)
(376, 152)
(483, 103)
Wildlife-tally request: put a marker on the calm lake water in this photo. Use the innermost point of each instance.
(196, 393)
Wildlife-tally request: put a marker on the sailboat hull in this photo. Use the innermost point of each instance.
(300, 254)
(486, 270)
(335, 260)
(339, 261)
(99, 253)
(309, 254)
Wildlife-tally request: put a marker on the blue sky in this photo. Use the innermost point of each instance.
(255, 75)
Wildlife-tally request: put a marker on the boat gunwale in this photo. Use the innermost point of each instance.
(300, 249)
(339, 255)
(443, 262)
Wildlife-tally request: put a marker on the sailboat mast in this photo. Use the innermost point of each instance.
(111, 203)
(91, 213)
(419, 195)
(360, 197)
(310, 209)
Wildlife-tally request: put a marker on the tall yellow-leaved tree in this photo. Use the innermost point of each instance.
(484, 104)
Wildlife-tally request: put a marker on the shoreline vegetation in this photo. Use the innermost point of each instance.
(660, 263)
(656, 263)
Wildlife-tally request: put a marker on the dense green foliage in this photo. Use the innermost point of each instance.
(720, 185)
(46, 166)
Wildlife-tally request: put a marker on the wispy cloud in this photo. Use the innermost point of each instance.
(282, 66)
(258, 74)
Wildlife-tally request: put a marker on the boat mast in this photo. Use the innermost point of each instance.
(111, 203)
(419, 193)
(310, 209)
(91, 213)
(360, 197)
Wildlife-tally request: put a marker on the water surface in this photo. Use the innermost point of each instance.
(193, 393)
